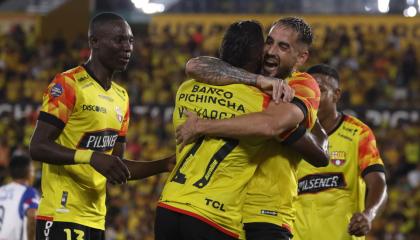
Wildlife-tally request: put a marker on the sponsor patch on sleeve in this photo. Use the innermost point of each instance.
(56, 90)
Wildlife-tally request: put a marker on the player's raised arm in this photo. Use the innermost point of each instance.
(215, 71)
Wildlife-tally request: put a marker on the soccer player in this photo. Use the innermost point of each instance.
(80, 137)
(204, 194)
(352, 186)
(19, 201)
(268, 211)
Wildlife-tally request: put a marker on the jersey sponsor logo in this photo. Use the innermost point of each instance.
(120, 116)
(345, 137)
(87, 85)
(319, 182)
(56, 90)
(110, 99)
(338, 158)
(83, 78)
(350, 130)
(212, 95)
(269, 212)
(93, 108)
(215, 204)
(99, 141)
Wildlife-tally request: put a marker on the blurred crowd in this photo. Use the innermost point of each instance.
(377, 70)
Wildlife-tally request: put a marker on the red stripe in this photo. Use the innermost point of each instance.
(208, 221)
(46, 218)
(266, 101)
(287, 227)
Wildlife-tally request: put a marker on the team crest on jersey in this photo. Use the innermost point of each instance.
(56, 90)
(338, 158)
(119, 114)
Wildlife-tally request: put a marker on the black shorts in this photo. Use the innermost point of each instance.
(170, 225)
(266, 231)
(51, 230)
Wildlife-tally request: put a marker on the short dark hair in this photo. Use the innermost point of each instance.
(18, 166)
(300, 26)
(243, 44)
(324, 69)
(102, 18)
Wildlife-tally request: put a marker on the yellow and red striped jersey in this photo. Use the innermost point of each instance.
(90, 118)
(273, 188)
(339, 187)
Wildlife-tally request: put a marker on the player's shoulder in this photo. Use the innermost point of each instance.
(303, 79)
(119, 88)
(71, 74)
(356, 123)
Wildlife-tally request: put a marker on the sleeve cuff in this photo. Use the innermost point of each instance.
(295, 135)
(51, 119)
(299, 103)
(373, 168)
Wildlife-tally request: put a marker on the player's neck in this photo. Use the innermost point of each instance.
(331, 122)
(21, 181)
(101, 74)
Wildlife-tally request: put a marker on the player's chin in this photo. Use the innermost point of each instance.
(269, 71)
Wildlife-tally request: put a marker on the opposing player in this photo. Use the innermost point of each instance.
(268, 211)
(80, 137)
(18, 201)
(353, 184)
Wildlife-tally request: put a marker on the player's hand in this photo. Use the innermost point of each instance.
(360, 224)
(111, 167)
(279, 90)
(187, 133)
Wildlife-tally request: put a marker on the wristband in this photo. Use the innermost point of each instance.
(83, 156)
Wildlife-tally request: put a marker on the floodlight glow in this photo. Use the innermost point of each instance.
(410, 12)
(383, 6)
(410, 2)
(153, 8)
(147, 7)
(140, 3)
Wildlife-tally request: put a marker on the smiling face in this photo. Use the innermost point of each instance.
(112, 44)
(283, 52)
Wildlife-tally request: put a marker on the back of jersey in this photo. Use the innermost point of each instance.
(14, 200)
(211, 174)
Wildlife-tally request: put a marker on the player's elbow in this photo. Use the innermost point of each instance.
(36, 149)
(191, 67)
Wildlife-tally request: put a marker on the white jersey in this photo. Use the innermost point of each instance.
(15, 200)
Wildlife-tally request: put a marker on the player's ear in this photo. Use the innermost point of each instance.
(302, 57)
(337, 95)
(93, 42)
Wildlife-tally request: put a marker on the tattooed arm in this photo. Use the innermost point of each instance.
(214, 71)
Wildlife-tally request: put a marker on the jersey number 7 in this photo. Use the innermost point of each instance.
(214, 162)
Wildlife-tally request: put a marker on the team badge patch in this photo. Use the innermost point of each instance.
(56, 90)
(119, 114)
(338, 158)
